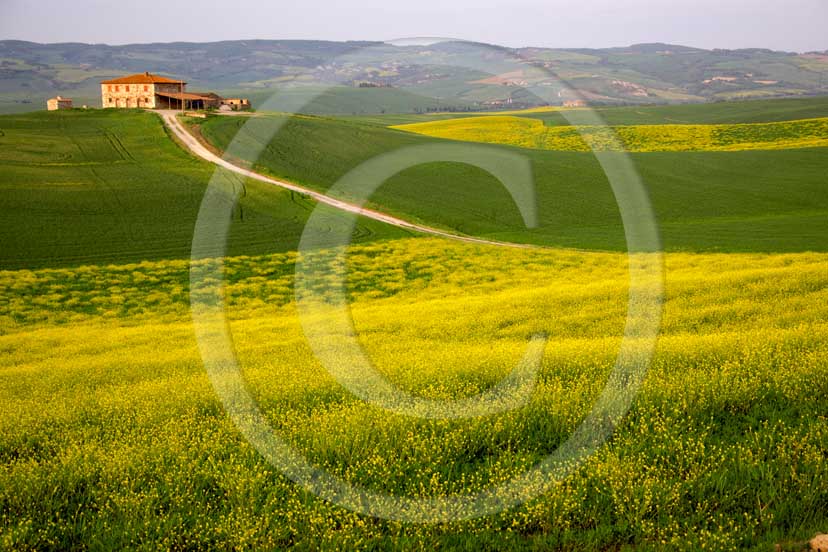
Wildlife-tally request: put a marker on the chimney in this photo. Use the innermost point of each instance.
(146, 73)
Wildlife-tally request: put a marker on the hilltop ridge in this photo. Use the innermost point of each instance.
(433, 75)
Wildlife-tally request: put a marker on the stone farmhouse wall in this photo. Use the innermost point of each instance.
(134, 95)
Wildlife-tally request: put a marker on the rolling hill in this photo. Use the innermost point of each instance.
(436, 76)
(108, 186)
(95, 186)
(113, 437)
(704, 200)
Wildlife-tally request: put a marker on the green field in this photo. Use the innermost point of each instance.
(345, 100)
(726, 201)
(112, 437)
(756, 111)
(102, 186)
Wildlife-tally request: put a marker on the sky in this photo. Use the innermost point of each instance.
(790, 25)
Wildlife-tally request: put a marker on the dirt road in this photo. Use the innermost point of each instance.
(200, 150)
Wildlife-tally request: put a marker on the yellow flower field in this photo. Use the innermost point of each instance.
(533, 133)
(723, 449)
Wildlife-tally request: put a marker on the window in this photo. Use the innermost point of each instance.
(117, 89)
(146, 88)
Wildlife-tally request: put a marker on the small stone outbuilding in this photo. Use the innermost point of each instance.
(54, 104)
(236, 104)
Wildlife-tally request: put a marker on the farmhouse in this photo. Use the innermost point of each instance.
(149, 91)
(142, 90)
(53, 104)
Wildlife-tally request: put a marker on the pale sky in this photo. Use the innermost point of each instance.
(792, 25)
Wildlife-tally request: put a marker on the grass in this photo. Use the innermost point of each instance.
(342, 100)
(532, 133)
(726, 201)
(105, 186)
(754, 111)
(123, 443)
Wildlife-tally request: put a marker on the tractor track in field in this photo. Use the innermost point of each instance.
(200, 150)
(115, 141)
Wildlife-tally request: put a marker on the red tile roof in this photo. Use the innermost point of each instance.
(142, 78)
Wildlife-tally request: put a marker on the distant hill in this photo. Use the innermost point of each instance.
(434, 76)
